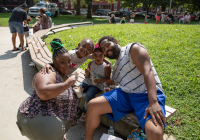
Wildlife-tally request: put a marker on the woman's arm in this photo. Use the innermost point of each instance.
(30, 19)
(46, 86)
(44, 17)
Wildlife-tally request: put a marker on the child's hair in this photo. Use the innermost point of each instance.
(97, 48)
(85, 41)
(57, 48)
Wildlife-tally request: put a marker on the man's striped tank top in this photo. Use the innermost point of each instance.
(127, 74)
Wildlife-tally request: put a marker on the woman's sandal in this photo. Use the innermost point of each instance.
(17, 49)
(82, 118)
(23, 49)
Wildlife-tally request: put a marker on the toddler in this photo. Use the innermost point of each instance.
(96, 74)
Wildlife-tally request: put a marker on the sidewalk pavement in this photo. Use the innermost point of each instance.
(16, 86)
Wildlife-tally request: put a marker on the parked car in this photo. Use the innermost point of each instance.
(101, 12)
(51, 7)
(116, 13)
(65, 12)
(83, 12)
(193, 17)
(122, 13)
(151, 15)
(141, 15)
(5, 10)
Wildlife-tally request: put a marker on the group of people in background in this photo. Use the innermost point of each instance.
(170, 18)
(19, 24)
(160, 16)
(123, 20)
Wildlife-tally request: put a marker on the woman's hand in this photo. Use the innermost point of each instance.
(46, 69)
(71, 81)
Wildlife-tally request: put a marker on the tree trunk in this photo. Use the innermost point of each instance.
(78, 7)
(163, 7)
(148, 10)
(89, 14)
(31, 3)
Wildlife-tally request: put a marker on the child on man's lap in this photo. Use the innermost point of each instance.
(96, 68)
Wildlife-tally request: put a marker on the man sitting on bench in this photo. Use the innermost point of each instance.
(140, 90)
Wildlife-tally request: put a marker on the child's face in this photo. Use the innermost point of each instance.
(98, 57)
(85, 49)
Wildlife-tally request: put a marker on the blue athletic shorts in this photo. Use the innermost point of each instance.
(123, 103)
(16, 27)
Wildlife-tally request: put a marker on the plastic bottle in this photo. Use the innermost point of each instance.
(40, 27)
(111, 131)
(30, 33)
(76, 74)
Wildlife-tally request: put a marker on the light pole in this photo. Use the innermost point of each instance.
(170, 5)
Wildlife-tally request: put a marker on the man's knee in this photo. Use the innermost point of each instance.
(154, 132)
(91, 105)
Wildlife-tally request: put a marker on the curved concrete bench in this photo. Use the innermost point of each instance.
(41, 55)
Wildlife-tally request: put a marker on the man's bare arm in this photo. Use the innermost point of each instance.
(141, 59)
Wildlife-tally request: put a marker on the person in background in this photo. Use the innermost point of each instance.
(158, 14)
(123, 21)
(50, 20)
(132, 18)
(163, 18)
(146, 19)
(181, 18)
(52, 108)
(112, 19)
(43, 21)
(171, 16)
(187, 18)
(91, 85)
(17, 18)
(26, 29)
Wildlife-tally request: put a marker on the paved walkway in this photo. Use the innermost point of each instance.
(16, 86)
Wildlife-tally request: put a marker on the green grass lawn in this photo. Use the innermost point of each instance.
(61, 19)
(175, 52)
